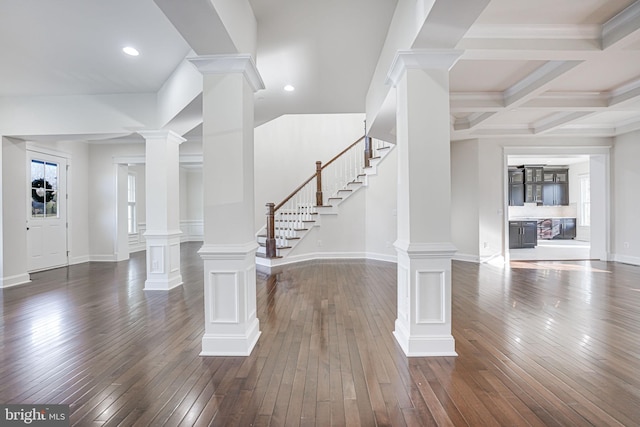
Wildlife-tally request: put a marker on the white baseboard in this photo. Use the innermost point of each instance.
(315, 256)
(18, 279)
(79, 259)
(382, 257)
(626, 259)
(137, 247)
(103, 258)
(466, 257)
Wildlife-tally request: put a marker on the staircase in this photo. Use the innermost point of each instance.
(322, 194)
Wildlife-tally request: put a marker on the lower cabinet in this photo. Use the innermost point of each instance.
(557, 228)
(523, 234)
(566, 228)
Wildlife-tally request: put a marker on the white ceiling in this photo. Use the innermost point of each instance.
(529, 68)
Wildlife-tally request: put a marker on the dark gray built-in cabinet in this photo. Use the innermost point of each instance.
(540, 185)
(523, 234)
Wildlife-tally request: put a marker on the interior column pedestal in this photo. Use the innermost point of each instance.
(424, 248)
(162, 188)
(231, 323)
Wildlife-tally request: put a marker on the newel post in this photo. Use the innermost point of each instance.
(319, 183)
(368, 151)
(270, 243)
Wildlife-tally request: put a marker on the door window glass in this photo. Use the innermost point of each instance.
(44, 189)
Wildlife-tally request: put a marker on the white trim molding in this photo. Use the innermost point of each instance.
(232, 63)
(421, 59)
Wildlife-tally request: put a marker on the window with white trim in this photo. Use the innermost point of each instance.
(132, 222)
(585, 200)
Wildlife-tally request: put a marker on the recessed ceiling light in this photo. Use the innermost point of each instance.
(130, 51)
(289, 88)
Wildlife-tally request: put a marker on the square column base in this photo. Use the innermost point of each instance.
(230, 345)
(423, 325)
(231, 324)
(163, 261)
(424, 346)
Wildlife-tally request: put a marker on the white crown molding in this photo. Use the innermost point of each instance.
(420, 59)
(516, 32)
(141, 159)
(226, 64)
(162, 134)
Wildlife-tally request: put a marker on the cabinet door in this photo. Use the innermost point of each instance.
(533, 174)
(529, 235)
(562, 194)
(516, 195)
(549, 194)
(548, 176)
(533, 193)
(514, 234)
(516, 176)
(562, 175)
(569, 228)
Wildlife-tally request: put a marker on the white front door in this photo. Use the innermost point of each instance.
(46, 211)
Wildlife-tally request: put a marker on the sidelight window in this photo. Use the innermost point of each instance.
(585, 200)
(131, 202)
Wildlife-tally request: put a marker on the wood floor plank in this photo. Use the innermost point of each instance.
(539, 344)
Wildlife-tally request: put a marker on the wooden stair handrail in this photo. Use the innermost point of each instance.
(293, 193)
(342, 152)
(270, 241)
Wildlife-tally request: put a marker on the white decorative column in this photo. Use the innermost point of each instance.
(231, 323)
(423, 325)
(162, 188)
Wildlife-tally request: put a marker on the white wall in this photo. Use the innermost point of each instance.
(14, 213)
(338, 236)
(491, 202)
(626, 203)
(102, 197)
(464, 199)
(286, 150)
(191, 204)
(380, 210)
(78, 189)
(576, 170)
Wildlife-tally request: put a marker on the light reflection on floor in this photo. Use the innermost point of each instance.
(553, 250)
(555, 265)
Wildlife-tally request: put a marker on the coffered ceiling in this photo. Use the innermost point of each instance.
(528, 68)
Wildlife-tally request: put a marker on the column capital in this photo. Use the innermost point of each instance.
(161, 134)
(421, 59)
(426, 250)
(231, 63)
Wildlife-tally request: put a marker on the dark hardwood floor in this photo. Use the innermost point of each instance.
(539, 343)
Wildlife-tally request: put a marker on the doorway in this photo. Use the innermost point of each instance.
(46, 211)
(587, 174)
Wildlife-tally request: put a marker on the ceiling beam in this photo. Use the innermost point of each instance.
(557, 120)
(199, 24)
(621, 26)
(536, 82)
